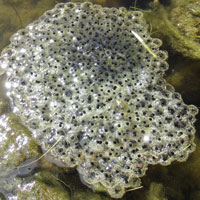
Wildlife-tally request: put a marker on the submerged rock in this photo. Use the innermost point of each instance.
(16, 146)
(41, 186)
(90, 80)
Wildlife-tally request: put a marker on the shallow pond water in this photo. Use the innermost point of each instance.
(174, 182)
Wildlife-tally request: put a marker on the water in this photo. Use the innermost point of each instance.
(177, 181)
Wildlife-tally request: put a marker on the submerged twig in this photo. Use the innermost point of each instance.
(144, 44)
(135, 7)
(67, 186)
(132, 189)
(42, 154)
(186, 147)
(17, 13)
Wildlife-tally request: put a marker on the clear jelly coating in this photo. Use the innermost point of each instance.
(79, 72)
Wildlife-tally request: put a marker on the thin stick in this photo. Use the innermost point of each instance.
(20, 20)
(135, 7)
(42, 154)
(144, 44)
(67, 186)
(135, 3)
(186, 147)
(132, 189)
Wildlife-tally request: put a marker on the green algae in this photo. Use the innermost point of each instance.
(82, 195)
(156, 192)
(178, 26)
(79, 191)
(3, 106)
(43, 185)
(16, 145)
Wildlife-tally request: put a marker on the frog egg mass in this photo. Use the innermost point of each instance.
(93, 77)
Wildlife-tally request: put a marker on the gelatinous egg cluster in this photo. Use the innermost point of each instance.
(89, 75)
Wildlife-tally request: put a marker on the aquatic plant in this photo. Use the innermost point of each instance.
(179, 26)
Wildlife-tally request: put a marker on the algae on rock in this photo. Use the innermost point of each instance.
(156, 192)
(178, 26)
(3, 105)
(16, 145)
(41, 186)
